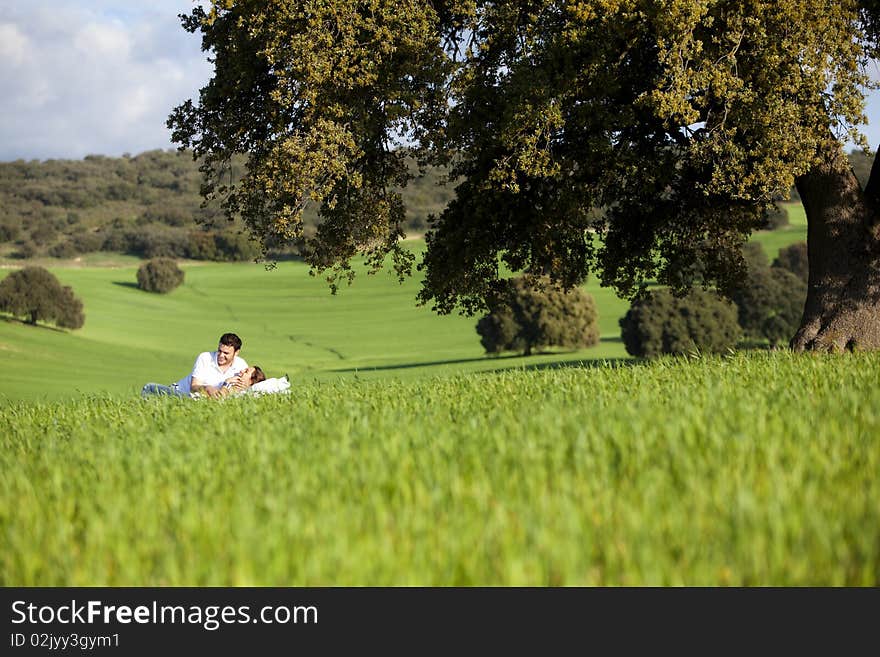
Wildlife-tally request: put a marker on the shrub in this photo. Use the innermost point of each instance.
(159, 275)
(86, 242)
(755, 256)
(157, 241)
(777, 217)
(64, 249)
(80, 242)
(43, 233)
(794, 259)
(70, 310)
(35, 294)
(235, 246)
(9, 230)
(534, 313)
(498, 332)
(26, 249)
(171, 216)
(770, 303)
(200, 245)
(661, 323)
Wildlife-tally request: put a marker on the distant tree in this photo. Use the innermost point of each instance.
(661, 323)
(775, 217)
(87, 242)
(35, 294)
(63, 249)
(162, 207)
(235, 246)
(25, 249)
(861, 163)
(201, 245)
(770, 302)
(794, 259)
(157, 241)
(9, 230)
(172, 216)
(70, 310)
(43, 233)
(755, 256)
(159, 275)
(535, 313)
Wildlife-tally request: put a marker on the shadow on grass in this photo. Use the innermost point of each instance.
(14, 320)
(433, 363)
(586, 364)
(126, 284)
(511, 362)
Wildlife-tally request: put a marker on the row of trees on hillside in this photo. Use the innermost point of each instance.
(148, 205)
(764, 307)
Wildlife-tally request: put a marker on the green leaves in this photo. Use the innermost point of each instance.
(643, 125)
(533, 313)
(34, 294)
(318, 95)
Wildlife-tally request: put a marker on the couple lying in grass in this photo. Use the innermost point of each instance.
(219, 374)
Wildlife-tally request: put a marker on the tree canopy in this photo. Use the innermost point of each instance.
(535, 314)
(35, 294)
(611, 136)
(160, 275)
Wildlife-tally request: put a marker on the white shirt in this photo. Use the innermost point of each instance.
(206, 370)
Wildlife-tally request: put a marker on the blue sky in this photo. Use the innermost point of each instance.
(101, 76)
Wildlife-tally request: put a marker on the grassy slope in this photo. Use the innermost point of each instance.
(758, 469)
(796, 231)
(289, 322)
(755, 469)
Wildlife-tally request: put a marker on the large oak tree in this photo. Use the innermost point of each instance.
(642, 140)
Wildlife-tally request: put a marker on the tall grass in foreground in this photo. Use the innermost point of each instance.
(758, 469)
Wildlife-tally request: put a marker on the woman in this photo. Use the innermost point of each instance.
(245, 379)
(233, 385)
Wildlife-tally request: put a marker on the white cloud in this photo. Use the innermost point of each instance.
(98, 41)
(13, 44)
(93, 77)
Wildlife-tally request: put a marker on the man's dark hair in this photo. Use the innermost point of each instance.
(231, 340)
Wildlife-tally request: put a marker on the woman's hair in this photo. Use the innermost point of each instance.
(258, 375)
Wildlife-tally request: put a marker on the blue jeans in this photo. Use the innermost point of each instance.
(160, 390)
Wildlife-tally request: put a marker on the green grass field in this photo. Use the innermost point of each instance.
(755, 469)
(289, 323)
(405, 457)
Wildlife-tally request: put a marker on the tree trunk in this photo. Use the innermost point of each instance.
(842, 311)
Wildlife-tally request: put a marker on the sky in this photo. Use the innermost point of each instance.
(93, 76)
(101, 76)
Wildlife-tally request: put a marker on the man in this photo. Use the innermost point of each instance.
(211, 371)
